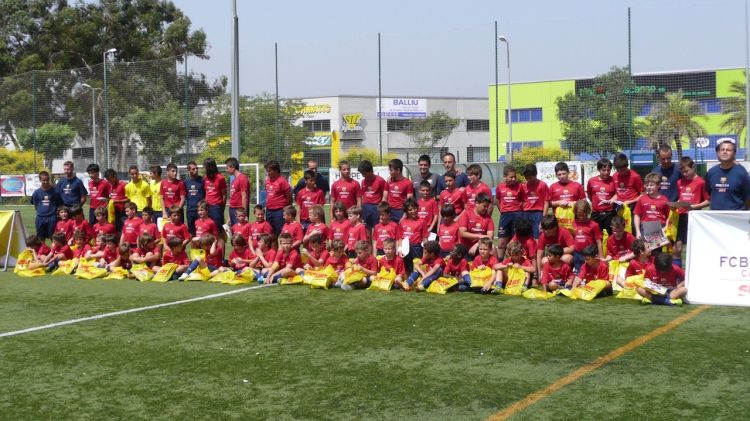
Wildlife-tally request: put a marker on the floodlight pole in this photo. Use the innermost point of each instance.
(497, 102)
(107, 152)
(93, 119)
(235, 83)
(504, 39)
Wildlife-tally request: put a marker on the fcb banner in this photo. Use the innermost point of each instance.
(718, 258)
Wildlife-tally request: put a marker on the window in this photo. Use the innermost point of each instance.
(711, 105)
(477, 125)
(525, 115)
(398, 125)
(477, 154)
(317, 125)
(517, 146)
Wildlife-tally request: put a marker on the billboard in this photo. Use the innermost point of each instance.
(402, 107)
(12, 185)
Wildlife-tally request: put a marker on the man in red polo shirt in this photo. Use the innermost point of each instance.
(239, 190)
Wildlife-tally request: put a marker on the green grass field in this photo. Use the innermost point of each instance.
(295, 353)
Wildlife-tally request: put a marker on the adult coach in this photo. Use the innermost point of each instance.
(425, 162)
(669, 173)
(320, 180)
(728, 183)
(449, 163)
(70, 188)
(239, 190)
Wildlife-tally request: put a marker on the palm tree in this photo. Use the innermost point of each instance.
(674, 119)
(734, 108)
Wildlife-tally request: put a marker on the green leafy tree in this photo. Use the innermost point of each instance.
(52, 138)
(673, 120)
(431, 132)
(601, 119)
(734, 108)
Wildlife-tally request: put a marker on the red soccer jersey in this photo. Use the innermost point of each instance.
(509, 198)
(397, 264)
(83, 226)
(216, 190)
(206, 225)
(372, 190)
(414, 229)
(150, 229)
(103, 228)
(670, 278)
(306, 199)
(172, 191)
(427, 210)
(479, 261)
(618, 248)
(428, 264)
(652, 209)
(339, 230)
(65, 227)
(320, 255)
(524, 262)
(629, 186)
(600, 271)
(456, 197)
(346, 192)
(693, 191)
(239, 185)
(570, 191)
(143, 251)
(99, 191)
(562, 273)
(398, 191)
(473, 192)
(321, 227)
(43, 250)
(216, 258)
(448, 235)
(269, 256)
(356, 233)
(564, 238)
(455, 267)
(131, 228)
(81, 251)
(180, 258)
(338, 263)
(276, 193)
(243, 230)
(171, 230)
(599, 190)
(585, 233)
(110, 255)
(476, 224)
(636, 267)
(535, 194)
(370, 263)
(294, 228)
(117, 192)
(244, 254)
(388, 230)
(288, 259)
(258, 228)
(529, 245)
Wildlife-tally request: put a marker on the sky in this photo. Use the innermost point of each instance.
(447, 48)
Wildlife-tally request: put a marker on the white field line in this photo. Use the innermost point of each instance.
(128, 311)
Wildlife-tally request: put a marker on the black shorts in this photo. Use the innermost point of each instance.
(682, 228)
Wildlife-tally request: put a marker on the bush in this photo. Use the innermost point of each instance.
(357, 155)
(532, 155)
(20, 162)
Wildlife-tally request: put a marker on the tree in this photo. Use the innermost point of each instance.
(431, 132)
(601, 119)
(673, 120)
(52, 138)
(734, 108)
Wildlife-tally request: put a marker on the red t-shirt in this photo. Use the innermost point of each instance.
(285, 259)
(650, 209)
(448, 236)
(529, 245)
(43, 250)
(599, 190)
(99, 192)
(269, 256)
(388, 230)
(693, 191)
(414, 229)
(571, 191)
(276, 193)
(320, 227)
(83, 226)
(356, 233)
(397, 192)
(320, 255)
(143, 251)
(473, 192)
(172, 192)
(564, 238)
(180, 258)
(372, 190)
(397, 264)
(103, 228)
(131, 228)
(509, 198)
(180, 231)
(258, 228)
(294, 228)
(455, 267)
(240, 184)
(563, 273)
(150, 229)
(110, 255)
(370, 263)
(585, 233)
(308, 198)
(618, 248)
(117, 192)
(428, 208)
(476, 224)
(65, 227)
(338, 263)
(217, 258)
(629, 186)
(339, 230)
(81, 251)
(242, 229)
(457, 198)
(245, 254)
(509, 261)
(430, 263)
(535, 194)
(478, 261)
(216, 190)
(588, 273)
(346, 192)
(205, 225)
(636, 267)
(669, 278)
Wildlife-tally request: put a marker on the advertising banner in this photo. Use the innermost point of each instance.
(546, 172)
(32, 183)
(402, 107)
(12, 185)
(334, 174)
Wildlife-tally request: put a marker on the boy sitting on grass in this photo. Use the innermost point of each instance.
(430, 268)
(556, 274)
(593, 268)
(666, 274)
(287, 258)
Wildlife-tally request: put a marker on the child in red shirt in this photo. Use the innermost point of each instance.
(337, 259)
(82, 245)
(97, 251)
(213, 260)
(39, 250)
(391, 260)
(510, 200)
(265, 257)
(618, 244)
(317, 224)
(111, 255)
(475, 186)
(585, 232)
(241, 258)
(292, 227)
(242, 227)
(175, 253)
(639, 258)
(357, 231)
(428, 206)
(556, 274)
(665, 273)
(204, 224)
(78, 223)
(485, 258)
(398, 189)
(102, 225)
(523, 234)
(447, 234)
(59, 251)
(476, 223)
(340, 225)
(415, 230)
(308, 197)
(64, 224)
(147, 252)
(316, 253)
(385, 229)
(651, 206)
(259, 227)
(457, 267)
(131, 227)
(365, 262)
(515, 257)
(552, 234)
(453, 195)
(429, 270)
(175, 227)
(149, 225)
(287, 260)
(592, 269)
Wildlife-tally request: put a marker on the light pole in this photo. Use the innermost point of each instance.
(93, 117)
(504, 39)
(107, 151)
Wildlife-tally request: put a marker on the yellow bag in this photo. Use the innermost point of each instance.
(671, 227)
(538, 294)
(565, 217)
(442, 285)
(629, 289)
(352, 276)
(479, 277)
(589, 291)
(65, 267)
(23, 260)
(617, 273)
(165, 273)
(320, 278)
(627, 215)
(383, 281)
(221, 277)
(295, 280)
(88, 271)
(245, 277)
(31, 273)
(200, 274)
(86, 262)
(117, 273)
(111, 212)
(514, 285)
(142, 272)
(196, 253)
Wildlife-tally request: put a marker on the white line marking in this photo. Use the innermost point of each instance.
(128, 311)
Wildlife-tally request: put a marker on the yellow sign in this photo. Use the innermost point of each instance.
(351, 122)
(315, 109)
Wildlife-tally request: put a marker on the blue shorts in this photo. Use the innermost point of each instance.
(275, 218)
(45, 226)
(216, 213)
(192, 216)
(507, 220)
(396, 215)
(577, 261)
(370, 215)
(535, 217)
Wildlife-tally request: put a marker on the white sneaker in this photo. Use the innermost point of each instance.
(346, 287)
(183, 277)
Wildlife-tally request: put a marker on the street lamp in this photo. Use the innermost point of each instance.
(504, 39)
(93, 116)
(107, 151)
